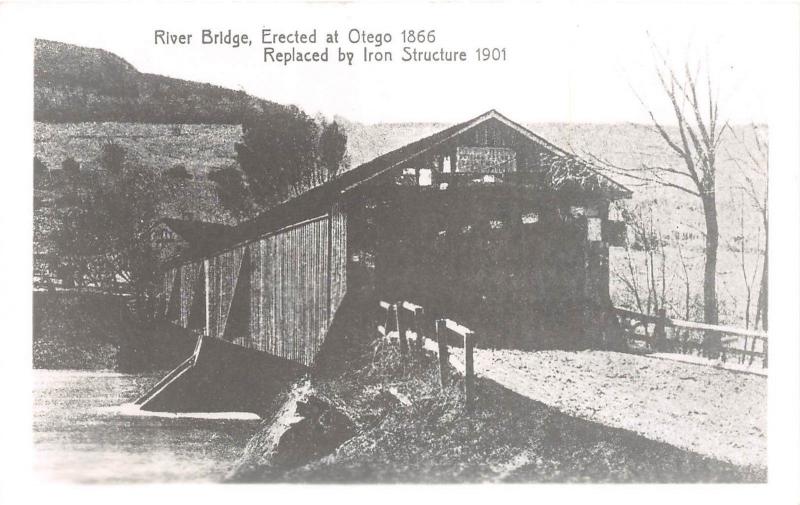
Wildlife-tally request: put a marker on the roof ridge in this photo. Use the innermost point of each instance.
(590, 166)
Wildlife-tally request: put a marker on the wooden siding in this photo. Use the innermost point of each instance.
(289, 292)
(338, 258)
(276, 294)
(169, 284)
(191, 274)
(173, 295)
(223, 274)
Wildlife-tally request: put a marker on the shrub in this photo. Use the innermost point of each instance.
(178, 172)
(70, 166)
(40, 171)
(112, 156)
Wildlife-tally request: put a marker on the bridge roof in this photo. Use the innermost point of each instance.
(562, 168)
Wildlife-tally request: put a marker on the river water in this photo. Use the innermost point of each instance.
(82, 435)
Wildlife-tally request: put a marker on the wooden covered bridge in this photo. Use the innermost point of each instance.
(484, 221)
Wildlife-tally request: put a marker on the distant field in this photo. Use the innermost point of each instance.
(730, 283)
(200, 148)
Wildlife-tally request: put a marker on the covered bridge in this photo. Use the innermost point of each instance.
(484, 222)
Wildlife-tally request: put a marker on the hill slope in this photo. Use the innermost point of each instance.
(75, 84)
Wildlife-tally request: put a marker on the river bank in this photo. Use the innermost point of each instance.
(96, 331)
(81, 433)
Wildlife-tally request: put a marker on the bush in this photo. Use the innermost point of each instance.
(178, 172)
(232, 191)
(112, 156)
(40, 170)
(70, 166)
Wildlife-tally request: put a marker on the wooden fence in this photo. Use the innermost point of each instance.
(658, 332)
(393, 318)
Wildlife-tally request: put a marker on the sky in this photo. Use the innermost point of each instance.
(569, 62)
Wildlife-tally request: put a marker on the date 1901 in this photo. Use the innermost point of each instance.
(491, 53)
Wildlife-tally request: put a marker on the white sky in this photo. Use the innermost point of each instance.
(576, 62)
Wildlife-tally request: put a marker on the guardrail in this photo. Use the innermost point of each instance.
(658, 339)
(393, 319)
(469, 347)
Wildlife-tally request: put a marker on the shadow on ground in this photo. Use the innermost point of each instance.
(508, 438)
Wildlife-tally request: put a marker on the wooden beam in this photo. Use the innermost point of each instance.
(690, 325)
(469, 372)
(457, 328)
(419, 315)
(444, 354)
(411, 306)
(401, 330)
(721, 329)
(206, 267)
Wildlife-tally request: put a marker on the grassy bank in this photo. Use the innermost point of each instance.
(408, 430)
(94, 331)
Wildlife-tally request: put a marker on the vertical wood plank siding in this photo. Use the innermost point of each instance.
(339, 258)
(297, 281)
(223, 273)
(173, 296)
(190, 275)
(288, 292)
(169, 282)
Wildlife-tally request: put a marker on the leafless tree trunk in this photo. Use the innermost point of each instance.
(755, 186)
(748, 277)
(687, 298)
(647, 286)
(695, 144)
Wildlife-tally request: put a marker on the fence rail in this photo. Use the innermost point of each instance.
(392, 313)
(469, 347)
(658, 339)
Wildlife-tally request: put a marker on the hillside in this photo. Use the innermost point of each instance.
(74, 84)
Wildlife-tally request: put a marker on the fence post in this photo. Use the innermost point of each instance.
(401, 329)
(469, 372)
(753, 350)
(441, 339)
(743, 356)
(765, 350)
(386, 308)
(659, 332)
(417, 329)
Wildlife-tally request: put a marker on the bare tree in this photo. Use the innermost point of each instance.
(753, 170)
(695, 144)
(748, 277)
(683, 337)
(646, 284)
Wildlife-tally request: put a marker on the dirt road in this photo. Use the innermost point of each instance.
(710, 411)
